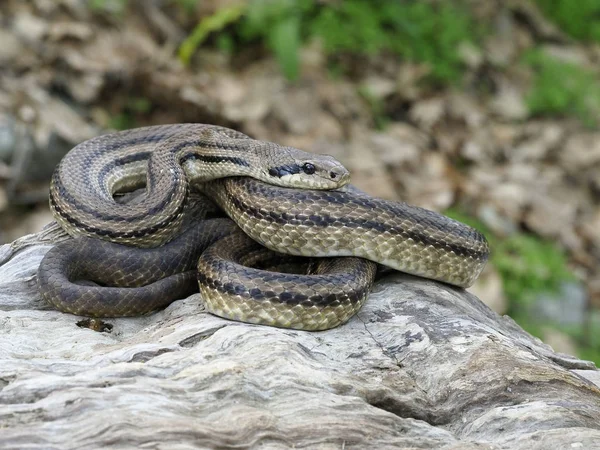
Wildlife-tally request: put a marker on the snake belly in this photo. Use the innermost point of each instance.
(232, 269)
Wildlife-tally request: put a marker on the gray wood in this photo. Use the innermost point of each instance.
(423, 365)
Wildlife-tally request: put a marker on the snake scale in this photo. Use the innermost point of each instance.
(301, 251)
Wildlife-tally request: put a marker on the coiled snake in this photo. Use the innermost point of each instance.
(140, 259)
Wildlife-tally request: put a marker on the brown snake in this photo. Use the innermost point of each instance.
(260, 193)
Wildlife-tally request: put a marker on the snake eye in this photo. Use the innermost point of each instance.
(308, 168)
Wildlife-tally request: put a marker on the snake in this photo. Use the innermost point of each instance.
(268, 234)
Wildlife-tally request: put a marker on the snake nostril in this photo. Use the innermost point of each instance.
(333, 175)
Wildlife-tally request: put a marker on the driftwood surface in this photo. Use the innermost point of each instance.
(423, 365)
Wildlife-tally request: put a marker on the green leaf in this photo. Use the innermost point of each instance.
(219, 20)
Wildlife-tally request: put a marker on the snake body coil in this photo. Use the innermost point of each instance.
(309, 222)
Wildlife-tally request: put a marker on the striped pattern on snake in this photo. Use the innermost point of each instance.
(269, 208)
(167, 159)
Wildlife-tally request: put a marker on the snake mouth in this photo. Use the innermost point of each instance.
(313, 182)
(340, 175)
(334, 178)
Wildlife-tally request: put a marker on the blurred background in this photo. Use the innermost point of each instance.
(487, 111)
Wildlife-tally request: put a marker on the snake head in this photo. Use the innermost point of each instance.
(309, 171)
(273, 163)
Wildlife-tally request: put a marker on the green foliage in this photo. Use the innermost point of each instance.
(352, 26)
(377, 107)
(279, 24)
(527, 264)
(530, 266)
(118, 7)
(563, 89)
(207, 25)
(284, 41)
(112, 7)
(580, 18)
(189, 6)
(414, 30)
(125, 119)
(122, 121)
(591, 352)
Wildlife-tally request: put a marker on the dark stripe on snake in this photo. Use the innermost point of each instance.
(105, 216)
(216, 159)
(428, 219)
(88, 159)
(284, 170)
(106, 169)
(145, 139)
(116, 234)
(291, 298)
(202, 144)
(136, 158)
(325, 221)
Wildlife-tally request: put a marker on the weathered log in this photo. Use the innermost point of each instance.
(423, 365)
